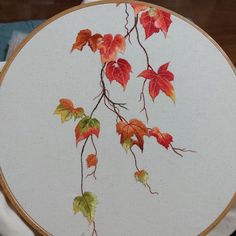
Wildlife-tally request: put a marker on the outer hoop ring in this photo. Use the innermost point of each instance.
(6, 189)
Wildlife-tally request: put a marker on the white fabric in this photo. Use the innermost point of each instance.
(11, 224)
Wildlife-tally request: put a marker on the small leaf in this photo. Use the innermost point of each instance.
(91, 160)
(86, 127)
(119, 71)
(109, 47)
(81, 39)
(134, 130)
(138, 7)
(94, 41)
(66, 110)
(141, 176)
(164, 139)
(127, 144)
(86, 204)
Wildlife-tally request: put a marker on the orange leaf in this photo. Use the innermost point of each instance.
(109, 47)
(138, 7)
(164, 139)
(94, 41)
(91, 160)
(119, 71)
(160, 80)
(81, 39)
(66, 110)
(134, 129)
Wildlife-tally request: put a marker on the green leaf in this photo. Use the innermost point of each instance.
(86, 204)
(127, 144)
(141, 176)
(86, 127)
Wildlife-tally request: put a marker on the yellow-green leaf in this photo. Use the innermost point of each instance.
(141, 176)
(66, 110)
(127, 144)
(86, 204)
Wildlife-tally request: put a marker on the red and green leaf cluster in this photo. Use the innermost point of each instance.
(87, 125)
(133, 133)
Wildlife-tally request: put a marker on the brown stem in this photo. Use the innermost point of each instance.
(137, 168)
(93, 173)
(142, 98)
(127, 22)
(94, 232)
(135, 24)
(82, 167)
(179, 150)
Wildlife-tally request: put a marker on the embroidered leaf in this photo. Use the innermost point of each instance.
(141, 176)
(164, 139)
(148, 23)
(66, 110)
(81, 39)
(160, 81)
(91, 160)
(127, 144)
(119, 71)
(162, 21)
(109, 47)
(86, 127)
(134, 130)
(155, 20)
(94, 41)
(138, 7)
(86, 204)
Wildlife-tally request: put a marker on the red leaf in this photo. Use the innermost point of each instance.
(160, 81)
(154, 88)
(138, 7)
(91, 160)
(164, 139)
(81, 39)
(147, 74)
(155, 20)
(109, 47)
(162, 21)
(148, 23)
(119, 71)
(94, 41)
(134, 129)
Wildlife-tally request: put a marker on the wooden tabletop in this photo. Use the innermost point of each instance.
(216, 17)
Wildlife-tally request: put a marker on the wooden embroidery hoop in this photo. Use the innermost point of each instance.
(3, 184)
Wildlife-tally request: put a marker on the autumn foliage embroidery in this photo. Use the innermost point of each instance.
(133, 131)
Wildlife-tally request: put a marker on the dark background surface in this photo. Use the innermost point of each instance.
(216, 17)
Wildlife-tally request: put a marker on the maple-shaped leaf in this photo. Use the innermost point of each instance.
(155, 20)
(133, 131)
(81, 39)
(109, 47)
(160, 80)
(119, 71)
(86, 204)
(66, 110)
(141, 176)
(86, 127)
(138, 7)
(164, 139)
(94, 41)
(91, 160)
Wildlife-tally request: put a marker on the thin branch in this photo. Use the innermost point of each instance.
(82, 167)
(150, 190)
(94, 146)
(93, 173)
(127, 22)
(135, 24)
(94, 232)
(135, 160)
(179, 150)
(142, 98)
